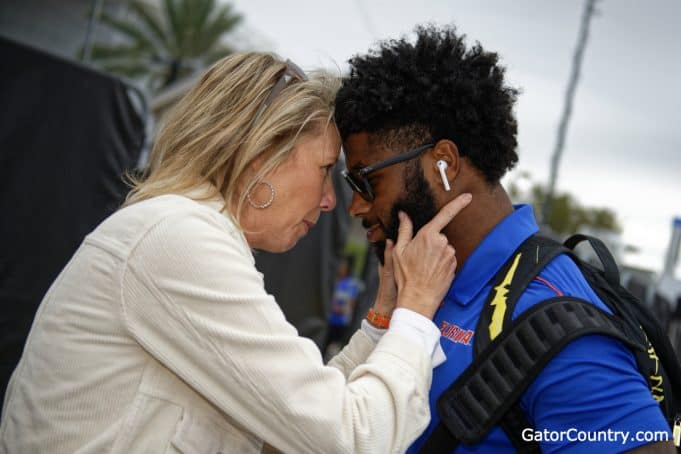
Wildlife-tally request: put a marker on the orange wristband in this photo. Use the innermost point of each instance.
(380, 321)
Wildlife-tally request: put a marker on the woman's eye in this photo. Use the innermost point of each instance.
(327, 169)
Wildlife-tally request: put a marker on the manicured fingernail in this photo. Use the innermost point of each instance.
(401, 215)
(468, 197)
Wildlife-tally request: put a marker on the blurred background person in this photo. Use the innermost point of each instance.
(343, 303)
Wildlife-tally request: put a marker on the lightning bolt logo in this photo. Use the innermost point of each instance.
(499, 301)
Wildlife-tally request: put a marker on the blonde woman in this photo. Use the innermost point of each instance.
(158, 336)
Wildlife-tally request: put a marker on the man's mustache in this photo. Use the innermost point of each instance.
(368, 224)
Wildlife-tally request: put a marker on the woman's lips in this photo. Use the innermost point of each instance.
(309, 226)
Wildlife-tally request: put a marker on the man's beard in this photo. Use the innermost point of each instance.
(418, 204)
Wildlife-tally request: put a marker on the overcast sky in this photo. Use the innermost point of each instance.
(623, 147)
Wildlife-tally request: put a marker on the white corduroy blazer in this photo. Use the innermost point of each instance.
(159, 337)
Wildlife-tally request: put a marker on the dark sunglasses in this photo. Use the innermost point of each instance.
(291, 72)
(357, 179)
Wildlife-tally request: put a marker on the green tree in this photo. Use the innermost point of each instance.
(164, 44)
(567, 216)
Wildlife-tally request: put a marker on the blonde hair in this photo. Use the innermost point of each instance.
(212, 135)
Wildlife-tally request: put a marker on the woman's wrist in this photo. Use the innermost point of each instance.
(416, 302)
(383, 308)
(378, 319)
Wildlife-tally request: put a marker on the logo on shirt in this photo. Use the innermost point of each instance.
(456, 334)
(499, 301)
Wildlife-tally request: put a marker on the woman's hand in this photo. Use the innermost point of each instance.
(424, 265)
(386, 297)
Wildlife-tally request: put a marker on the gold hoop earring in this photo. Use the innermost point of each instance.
(262, 206)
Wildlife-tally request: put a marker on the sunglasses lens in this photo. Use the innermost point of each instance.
(350, 181)
(367, 194)
(361, 187)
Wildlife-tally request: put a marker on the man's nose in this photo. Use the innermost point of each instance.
(358, 206)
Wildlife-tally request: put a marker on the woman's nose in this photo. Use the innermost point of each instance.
(328, 201)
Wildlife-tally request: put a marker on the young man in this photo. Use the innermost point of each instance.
(445, 115)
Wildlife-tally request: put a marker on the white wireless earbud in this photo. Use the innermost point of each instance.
(442, 166)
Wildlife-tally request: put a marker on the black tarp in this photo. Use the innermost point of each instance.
(67, 135)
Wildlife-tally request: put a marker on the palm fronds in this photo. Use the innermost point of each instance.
(164, 44)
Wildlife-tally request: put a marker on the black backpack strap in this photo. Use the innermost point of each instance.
(440, 441)
(509, 284)
(513, 423)
(610, 270)
(535, 253)
(497, 378)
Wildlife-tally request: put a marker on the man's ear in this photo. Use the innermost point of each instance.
(447, 152)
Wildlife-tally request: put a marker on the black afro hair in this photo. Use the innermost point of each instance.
(438, 87)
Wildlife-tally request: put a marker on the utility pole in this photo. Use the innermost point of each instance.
(89, 34)
(589, 9)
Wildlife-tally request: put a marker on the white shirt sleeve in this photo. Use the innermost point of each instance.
(370, 330)
(414, 326)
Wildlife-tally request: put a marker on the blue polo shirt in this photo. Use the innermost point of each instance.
(592, 385)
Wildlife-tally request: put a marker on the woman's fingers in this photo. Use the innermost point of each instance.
(386, 298)
(405, 232)
(425, 264)
(388, 257)
(447, 213)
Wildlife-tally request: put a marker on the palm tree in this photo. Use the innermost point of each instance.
(165, 44)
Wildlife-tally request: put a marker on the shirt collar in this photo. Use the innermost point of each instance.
(492, 253)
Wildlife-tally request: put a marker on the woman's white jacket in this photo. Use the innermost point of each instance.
(158, 336)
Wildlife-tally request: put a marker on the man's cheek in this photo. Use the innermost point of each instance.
(392, 226)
